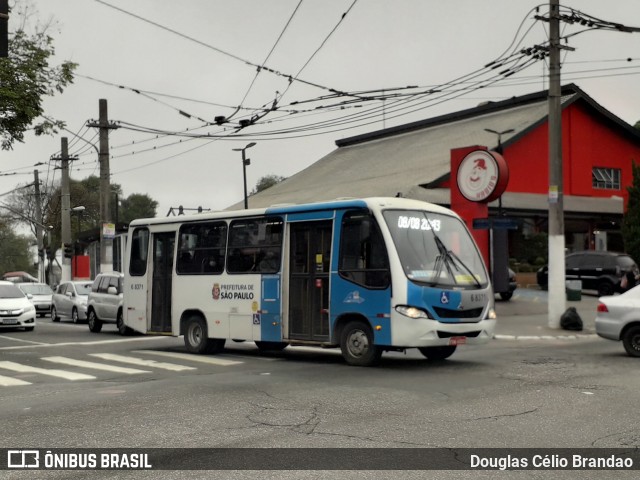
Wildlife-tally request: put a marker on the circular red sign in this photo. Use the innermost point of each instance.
(482, 176)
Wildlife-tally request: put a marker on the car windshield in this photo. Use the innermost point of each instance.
(83, 288)
(436, 249)
(10, 291)
(35, 289)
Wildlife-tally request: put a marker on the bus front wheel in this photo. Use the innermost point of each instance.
(437, 353)
(196, 337)
(356, 343)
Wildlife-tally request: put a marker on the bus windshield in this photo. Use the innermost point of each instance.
(436, 249)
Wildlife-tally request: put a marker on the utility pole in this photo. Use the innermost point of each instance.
(107, 229)
(39, 232)
(65, 220)
(557, 298)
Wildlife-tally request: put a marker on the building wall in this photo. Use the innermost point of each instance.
(588, 141)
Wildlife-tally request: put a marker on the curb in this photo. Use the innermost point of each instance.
(545, 337)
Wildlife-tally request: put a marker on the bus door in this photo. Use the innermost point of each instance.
(163, 246)
(309, 256)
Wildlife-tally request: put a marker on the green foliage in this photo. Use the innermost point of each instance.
(266, 182)
(531, 250)
(26, 77)
(14, 251)
(631, 220)
(137, 205)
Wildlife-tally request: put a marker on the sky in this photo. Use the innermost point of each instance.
(168, 67)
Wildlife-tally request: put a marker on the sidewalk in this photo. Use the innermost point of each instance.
(525, 317)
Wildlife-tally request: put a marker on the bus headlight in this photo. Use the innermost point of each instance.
(491, 314)
(413, 312)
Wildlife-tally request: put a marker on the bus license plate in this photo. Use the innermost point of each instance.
(9, 321)
(457, 340)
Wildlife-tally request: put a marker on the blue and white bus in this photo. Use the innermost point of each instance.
(366, 275)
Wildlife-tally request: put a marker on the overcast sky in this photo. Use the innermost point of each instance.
(200, 57)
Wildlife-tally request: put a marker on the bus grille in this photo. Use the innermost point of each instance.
(463, 334)
(446, 313)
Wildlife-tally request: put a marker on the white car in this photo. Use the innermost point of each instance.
(70, 300)
(41, 294)
(618, 318)
(16, 309)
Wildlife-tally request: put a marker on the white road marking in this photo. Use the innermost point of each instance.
(18, 367)
(96, 366)
(23, 340)
(11, 382)
(142, 362)
(191, 357)
(99, 342)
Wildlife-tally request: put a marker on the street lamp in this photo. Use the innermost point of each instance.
(504, 132)
(245, 161)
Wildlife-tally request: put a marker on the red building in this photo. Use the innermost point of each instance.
(413, 160)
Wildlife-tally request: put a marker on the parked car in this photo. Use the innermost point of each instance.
(16, 308)
(512, 287)
(19, 277)
(41, 294)
(70, 300)
(618, 318)
(104, 304)
(597, 270)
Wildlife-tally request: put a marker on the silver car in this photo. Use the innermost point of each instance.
(70, 301)
(618, 318)
(40, 296)
(105, 302)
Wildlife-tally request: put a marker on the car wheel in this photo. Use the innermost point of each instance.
(95, 325)
(271, 346)
(438, 353)
(356, 343)
(506, 296)
(196, 337)
(54, 315)
(74, 315)
(631, 341)
(122, 328)
(605, 288)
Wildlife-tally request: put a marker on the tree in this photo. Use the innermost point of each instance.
(631, 219)
(637, 125)
(14, 250)
(26, 77)
(267, 181)
(137, 205)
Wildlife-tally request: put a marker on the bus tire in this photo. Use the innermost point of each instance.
(271, 346)
(196, 337)
(438, 353)
(95, 325)
(356, 343)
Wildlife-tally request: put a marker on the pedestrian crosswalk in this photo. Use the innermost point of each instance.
(92, 364)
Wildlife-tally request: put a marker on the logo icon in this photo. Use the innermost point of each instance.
(215, 291)
(23, 459)
(444, 298)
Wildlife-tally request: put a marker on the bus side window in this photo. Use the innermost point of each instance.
(139, 249)
(363, 255)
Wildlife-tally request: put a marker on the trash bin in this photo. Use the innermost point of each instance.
(574, 290)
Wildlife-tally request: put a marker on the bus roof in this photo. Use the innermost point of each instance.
(337, 204)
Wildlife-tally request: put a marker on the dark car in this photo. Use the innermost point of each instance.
(597, 270)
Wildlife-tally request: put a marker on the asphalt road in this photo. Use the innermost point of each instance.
(552, 393)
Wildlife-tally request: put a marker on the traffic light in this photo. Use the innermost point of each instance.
(68, 250)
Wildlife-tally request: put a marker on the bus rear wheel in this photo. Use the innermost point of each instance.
(196, 338)
(438, 353)
(356, 343)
